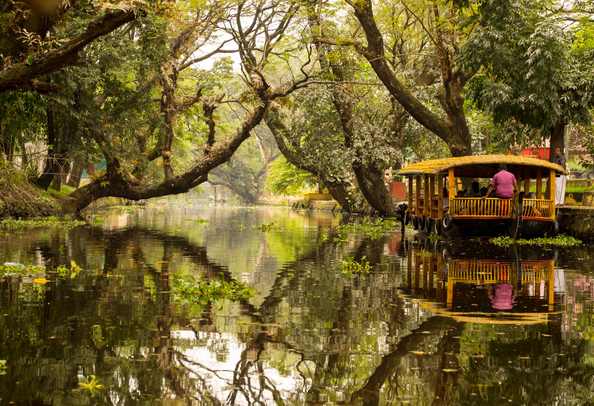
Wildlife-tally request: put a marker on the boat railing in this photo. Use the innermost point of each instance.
(472, 271)
(538, 208)
(488, 272)
(476, 206)
(535, 272)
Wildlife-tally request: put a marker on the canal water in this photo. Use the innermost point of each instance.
(431, 323)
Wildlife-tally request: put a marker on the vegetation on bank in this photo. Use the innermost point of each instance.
(21, 198)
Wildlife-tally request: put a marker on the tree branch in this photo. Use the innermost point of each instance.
(22, 76)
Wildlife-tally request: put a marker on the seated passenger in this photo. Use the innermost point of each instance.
(476, 191)
(504, 184)
(463, 208)
(531, 208)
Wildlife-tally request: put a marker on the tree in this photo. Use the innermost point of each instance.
(529, 71)
(440, 27)
(126, 153)
(29, 52)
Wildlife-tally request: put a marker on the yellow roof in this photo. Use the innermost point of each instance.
(480, 166)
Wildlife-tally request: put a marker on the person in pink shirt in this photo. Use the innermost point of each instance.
(504, 184)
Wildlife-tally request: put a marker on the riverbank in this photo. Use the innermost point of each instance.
(21, 199)
(577, 221)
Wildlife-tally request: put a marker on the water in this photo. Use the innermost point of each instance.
(432, 323)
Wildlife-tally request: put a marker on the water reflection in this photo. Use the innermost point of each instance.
(470, 288)
(428, 325)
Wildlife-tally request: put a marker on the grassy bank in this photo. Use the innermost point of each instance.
(19, 198)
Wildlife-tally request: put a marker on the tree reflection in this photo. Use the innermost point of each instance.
(315, 336)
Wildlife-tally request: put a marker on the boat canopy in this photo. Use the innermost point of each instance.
(479, 166)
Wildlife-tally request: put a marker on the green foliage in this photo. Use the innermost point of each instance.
(561, 240)
(190, 289)
(526, 70)
(286, 179)
(350, 267)
(65, 190)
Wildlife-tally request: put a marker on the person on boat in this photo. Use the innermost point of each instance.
(504, 184)
(560, 179)
(462, 207)
(531, 208)
(476, 190)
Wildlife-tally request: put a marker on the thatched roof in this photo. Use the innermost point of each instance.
(480, 166)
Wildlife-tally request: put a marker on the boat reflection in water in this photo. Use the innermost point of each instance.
(462, 281)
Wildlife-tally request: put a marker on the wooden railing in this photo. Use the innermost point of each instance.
(473, 271)
(487, 272)
(475, 206)
(534, 272)
(539, 208)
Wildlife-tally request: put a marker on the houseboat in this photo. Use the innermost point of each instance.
(436, 205)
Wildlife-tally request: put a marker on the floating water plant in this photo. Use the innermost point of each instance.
(193, 289)
(367, 229)
(349, 266)
(268, 227)
(53, 222)
(91, 384)
(10, 268)
(561, 240)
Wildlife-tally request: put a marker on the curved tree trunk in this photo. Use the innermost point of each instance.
(338, 190)
(452, 131)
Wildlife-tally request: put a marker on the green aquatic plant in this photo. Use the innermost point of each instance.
(434, 237)
(198, 220)
(424, 254)
(268, 227)
(193, 289)
(349, 267)
(562, 240)
(368, 228)
(53, 222)
(91, 384)
(21, 270)
(64, 272)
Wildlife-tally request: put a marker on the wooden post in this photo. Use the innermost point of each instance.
(526, 181)
(552, 191)
(426, 199)
(410, 193)
(539, 183)
(439, 197)
(409, 267)
(452, 189)
(417, 268)
(431, 195)
(417, 196)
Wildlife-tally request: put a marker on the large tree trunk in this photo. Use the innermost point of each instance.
(75, 175)
(338, 190)
(51, 165)
(452, 131)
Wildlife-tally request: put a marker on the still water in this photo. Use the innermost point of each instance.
(432, 323)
